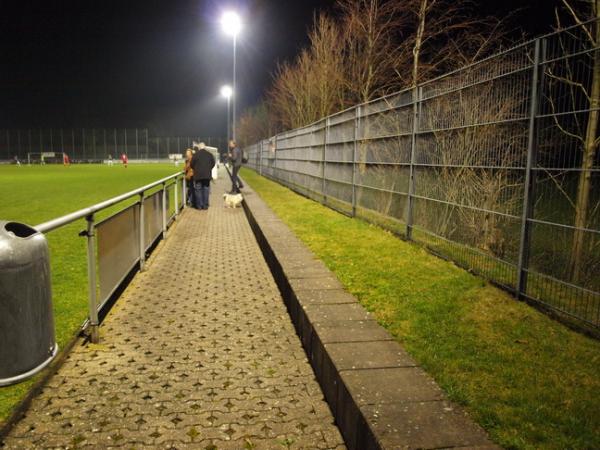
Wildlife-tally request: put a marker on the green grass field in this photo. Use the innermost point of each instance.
(34, 194)
(528, 380)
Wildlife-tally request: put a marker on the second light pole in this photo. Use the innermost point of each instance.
(227, 92)
(232, 25)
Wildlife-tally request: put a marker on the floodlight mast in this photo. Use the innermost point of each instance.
(227, 92)
(232, 24)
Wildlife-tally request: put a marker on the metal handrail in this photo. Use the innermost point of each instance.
(85, 212)
(92, 323)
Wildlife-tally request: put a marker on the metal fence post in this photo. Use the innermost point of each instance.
(94, 142)
(83, 137)
(528, 197)
(413, 146)
(323, 159)
(262, 144)
(92, 288)
(164, 210)
(137, 146)
(357, 112)
(183, 192)
(142, 237)
(274, 164)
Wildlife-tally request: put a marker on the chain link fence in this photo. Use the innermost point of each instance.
(494, 166)
(95, 145)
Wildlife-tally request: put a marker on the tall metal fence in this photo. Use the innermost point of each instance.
(84, 144)
(494, 166)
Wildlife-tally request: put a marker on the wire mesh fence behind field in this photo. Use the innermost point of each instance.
(95, 145)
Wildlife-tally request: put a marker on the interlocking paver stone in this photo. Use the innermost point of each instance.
(199, 352)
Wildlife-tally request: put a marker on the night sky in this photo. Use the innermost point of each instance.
(158, 63)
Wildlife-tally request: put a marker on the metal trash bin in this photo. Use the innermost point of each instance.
(27, 342)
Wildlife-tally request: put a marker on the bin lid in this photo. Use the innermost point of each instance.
(19, 244)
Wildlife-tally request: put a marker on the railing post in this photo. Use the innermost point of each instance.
(528, 197)
(184, 192)
(92, 288)
(142, 237)
(176, 198)
(417, 95)
(357, 112)
(164, 210)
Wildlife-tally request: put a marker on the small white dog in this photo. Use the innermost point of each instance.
(233, 200)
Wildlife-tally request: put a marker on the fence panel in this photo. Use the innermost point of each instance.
(495, 166)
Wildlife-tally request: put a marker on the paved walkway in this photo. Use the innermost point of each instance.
(198, 353)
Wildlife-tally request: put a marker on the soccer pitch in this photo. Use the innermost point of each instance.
(35, 194)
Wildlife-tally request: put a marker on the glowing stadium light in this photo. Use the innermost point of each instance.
(226, 92)
(231, 23)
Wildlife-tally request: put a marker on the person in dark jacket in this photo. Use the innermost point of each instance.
(202, 163)
(235, 156)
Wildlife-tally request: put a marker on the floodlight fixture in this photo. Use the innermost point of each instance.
(226, 92)
(231, 23)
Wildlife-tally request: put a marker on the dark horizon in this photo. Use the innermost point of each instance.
(143, 64)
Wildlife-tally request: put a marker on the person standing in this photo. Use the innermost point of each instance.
(202, 163)
(125, 160)
(189, 177)
(235, 156)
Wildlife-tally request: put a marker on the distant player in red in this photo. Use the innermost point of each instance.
(124, 159)
(66, 160)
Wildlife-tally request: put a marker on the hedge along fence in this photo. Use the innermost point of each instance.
(494, 166)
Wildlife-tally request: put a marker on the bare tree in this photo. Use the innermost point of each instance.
(373, 33)
(582, 94)
(312, 86)
(447, 35)
(255, 124)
